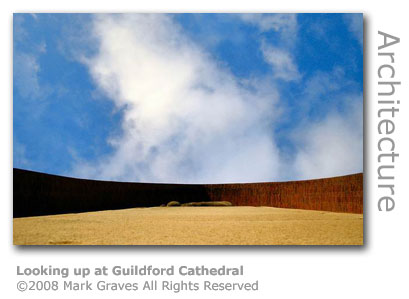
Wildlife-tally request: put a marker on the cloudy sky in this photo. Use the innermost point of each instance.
(188, 98)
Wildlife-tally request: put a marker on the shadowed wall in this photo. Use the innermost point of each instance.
(36, 194)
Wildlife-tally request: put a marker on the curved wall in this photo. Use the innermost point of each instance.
(36, 194)
(337, 194)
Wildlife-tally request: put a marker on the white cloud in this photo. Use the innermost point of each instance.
(355, 25)
(286, 23)
(26, 66)
(322, 83)
(326, 85)
(186, 119)
(25, 74)
(282, 63)
(333, 146)
(20, 154)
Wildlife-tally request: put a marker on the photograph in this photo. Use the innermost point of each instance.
(188, 129)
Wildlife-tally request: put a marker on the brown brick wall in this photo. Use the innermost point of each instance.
(338, 194)
(37, 194)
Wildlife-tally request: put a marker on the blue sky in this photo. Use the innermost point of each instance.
(191, 98)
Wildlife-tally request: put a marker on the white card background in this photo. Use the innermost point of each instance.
(376, 269)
